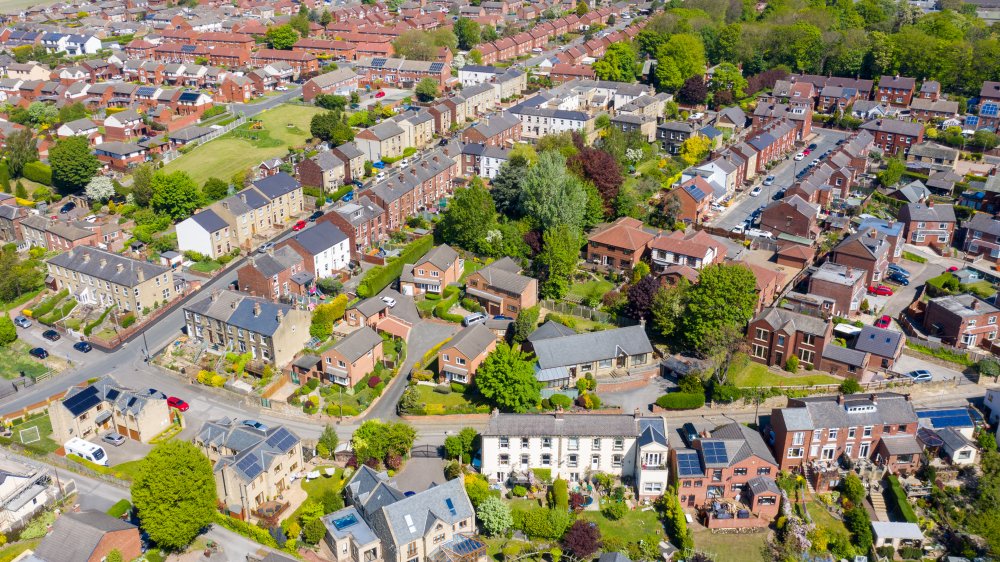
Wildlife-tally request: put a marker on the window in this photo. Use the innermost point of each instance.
(524, 442)
(653, 487)
(850, 432)
(798, 438)
(867, 431)
(619, 444)
(781, 341)
(817, 434)
(573, 444)
(735, 487)
(572, 461)
(763, 471)
(504, 442)
(547, 442)
(616, 461)
(504, 459)
(806, 355)
(717, 475)
(596, 444)
(808, 339)
(525, 460)
(761, 334)
(795, 453)
(740, 472)
(767, 500)
(546, 459)
(759, 351)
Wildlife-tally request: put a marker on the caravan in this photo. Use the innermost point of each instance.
(87, 451)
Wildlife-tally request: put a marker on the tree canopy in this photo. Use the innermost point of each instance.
(618, 63)
(507, 379)
(377, 440)
(725, 297)
(174, 194)
(19, 150)
(552, 195)
(427, 89)
(73, 165)
(174, 493)
(468, 33)
(469, 218)
(556, 262)
(281, 36)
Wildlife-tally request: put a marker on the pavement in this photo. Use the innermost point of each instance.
(784, 173)
(907, 363)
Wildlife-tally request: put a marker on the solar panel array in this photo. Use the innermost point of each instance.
(188, 48)
(715, 452)
(989, 110)
(437, 67)
(972, 120)
(929, 438)
(250, 466)
(112, 394)
(958, 417)
(451, 506)
(145, 91)
(82, 401)
(688, 465)
(282, 439)
(378, 63)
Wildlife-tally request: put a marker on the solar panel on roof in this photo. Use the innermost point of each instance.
(688, 464)
(929, 438)
(249, 466)
(146, 91)
(451, 506)
(715, 452)
(188, 48)
(378, 63)
(437, 66)
(971, 120)
(113, 394)
(82, 401)
(989, 110)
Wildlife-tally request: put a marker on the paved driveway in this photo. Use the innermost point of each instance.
(907, 363)
(419, 474)
(639, 398)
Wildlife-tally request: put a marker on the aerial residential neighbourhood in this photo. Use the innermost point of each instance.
(470, 281)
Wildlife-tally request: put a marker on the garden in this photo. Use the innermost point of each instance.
(14, 360)
(33, 432)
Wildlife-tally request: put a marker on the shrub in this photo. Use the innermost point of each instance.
(120, 508)
(681, 401)
(372, 381)
(519, 491)
(614, 510)
(38, 172)
(442, 389)
(559, 494)
(128, 320)
(218, 381)
(792, 365)
(560, 401)
(850, 386)
(911, 553)
(379, 277)
(457, 387)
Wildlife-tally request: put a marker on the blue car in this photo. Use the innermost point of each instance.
(347, 197)
(896, 269)
(897, 277)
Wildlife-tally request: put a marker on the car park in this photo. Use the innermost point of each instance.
(265, 247)
(51, 335)
(920, 375)
(883, 321)
(22, 322)
(114, 438)
(899, 278)
(82, 347)
(39, 353)
(880, 290)
(756, 191)
(175, 402)
(769, 180)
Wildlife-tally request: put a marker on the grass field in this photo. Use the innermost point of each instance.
(12, 551)
(44, 425)
(751, 374)
(634, 526)
(428, 396)
(745, 548)
(823, 519)
(14, 359)
(227, 155)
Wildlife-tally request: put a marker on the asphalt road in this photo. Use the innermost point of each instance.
(784, 174)
(251, 109)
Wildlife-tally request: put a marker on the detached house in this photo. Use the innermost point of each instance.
(563, 357)
(90, 411)
(439, 268)
(895, 137)
(501, 288)
(964, 321)
(791, 215)
(619, 246)
(982, 236)
(459, 358)
(868, 249)
(927, 224)
(776, 334)
(351, 358)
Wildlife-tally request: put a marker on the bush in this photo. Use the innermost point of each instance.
(850, 386)
(372, 381)
(120, 508)
(128, 320)
(559, 494)
(681, 401)
(457, 387)
(911, 553)
(560, 401)
(38, 172)
(519, 491)
(614, 510)
(379, 277)
(792, 365)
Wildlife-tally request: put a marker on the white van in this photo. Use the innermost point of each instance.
(87, 450)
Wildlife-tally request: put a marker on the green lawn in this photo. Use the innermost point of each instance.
(319, 486)
(824, 520)
(752, 374)
(14, 359)
(428, 396)
(12, 551)
(634, 526)
(469, 267)
(44, 425)
(745, 548)
(130, 469)
(285, 125)
(581, 291)
(206, 266)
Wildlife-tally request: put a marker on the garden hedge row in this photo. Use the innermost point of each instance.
(902, 504)
(39, 172)
(681, 401)
(379, 277)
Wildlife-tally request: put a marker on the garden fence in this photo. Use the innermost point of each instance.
(587, 312)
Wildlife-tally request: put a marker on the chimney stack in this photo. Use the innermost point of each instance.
(256, 309)
(975, 304)
(140, 274)
(86, 258)
(874, 398)
(104, 262)
(840, 399)
(279, 316)
(119, 268)
(215, 295)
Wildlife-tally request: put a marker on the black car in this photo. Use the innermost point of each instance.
(442, 142)
(689, 432)
(357, 183)
(51, 335)
(39, 352)
(82, 347)
(813, 146)
(314, 216)
(67, 207)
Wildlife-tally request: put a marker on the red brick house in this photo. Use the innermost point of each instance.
(982, 236)
(895, 90)
(867, 249)
(120, 156)
(460, 357)
(964, 321)
(695, 199)
(776, 334)
(791, 215)
(302, 62)
(501, 129)
(501, 288)
(893, 136)
(89, 536)
(438, 268)
(927, 224)
(876, 427)
(353, 357)
(274, 275)
(843, 285)
(620, 245)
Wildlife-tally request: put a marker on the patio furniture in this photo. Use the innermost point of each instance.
(312, 475)
(330, 471)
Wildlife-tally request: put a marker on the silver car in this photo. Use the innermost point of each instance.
(22, 322)
(114, 438)
(920, 375)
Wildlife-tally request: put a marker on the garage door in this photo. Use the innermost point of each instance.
(133, 434)
(121, 429)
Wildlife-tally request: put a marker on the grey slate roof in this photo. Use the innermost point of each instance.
(320, 237)
(592, 346)
(237, 309)
(472, 340)
(564, 425)
(358, 343)
(984, 222)
(410, 518)
(75, 536)
(825, 412)
(922, 212)
(750, 443)
(88, 261)
(210, 221)
(263, 447)
(614, 557)
(273, 263)
(961, 305)
(879, 341)
(442, 257)
(780, 318)
(953, 439)
(277, 185)
(762, 484)
(844, 355)
(550, 329)
(505, 274)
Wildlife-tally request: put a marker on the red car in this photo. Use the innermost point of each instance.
(880, 290)
(379, 94)
(806, 152)
(299, 226)
(883, 322)
(175, 402)
(952, 269)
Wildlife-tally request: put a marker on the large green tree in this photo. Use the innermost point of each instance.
(469, 218)
(142, 185)
(19, 150)
(468, 33)
(557, 261)
(508, 185)
(494, 516)
(507, 379)
(8, 333)
(174, 194)
(427, 89)
(552, 195)
(725, 297)
(376, 440)
(73, 164)
(688, 53)
(332, 127)
(618, 63)
(281, 36)
(174, 493)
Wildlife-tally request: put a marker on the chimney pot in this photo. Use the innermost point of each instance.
(256, 309)
(104, 262)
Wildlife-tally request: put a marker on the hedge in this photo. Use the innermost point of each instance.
(120, 508)
(39, 172)
(902, 504)
(379, 277)
(681, 401)
(48, 304)
(100, 319)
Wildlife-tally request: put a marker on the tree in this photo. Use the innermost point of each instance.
(72, 112)
(725, 296)
(860, 526)
(852, 489)
(508, 186)
(452, 447)
(892, 173)
(601, 169)
(174, 494)
(41, 113)
(641, 297)
(114, 556)
(695, 149)
(694, 91)
(552, 195)
(668, 76)
(326, 18)
(582, 9)
(281, 37)
(20, 150)
(313, 531)
(476, 56)
(582, 539)
(329, 440)
(174, 194)
(557, 260)
(99, 188)
(850, 386)
(687, 52)
(727, 77)
(494, 516)
(73, 165)
(470, 216)
(618, 63)
(324, 315)
(507, 379)
(8, 333)
(19, 190)
(427, 89)
(376, 440)
(215, 189)
(467, 32)
(525, 324)
(330, 101)
(424, 45)
(142, 185)
(331, 127)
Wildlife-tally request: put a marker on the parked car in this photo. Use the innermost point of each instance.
(952, 269)
(314, 216)
(779, 194)
(756, 191)
(39, 352)
(389, 301)
(769, 180)
(51, 335)
(175, 402)
(67, 208)
(739, 229)
(800, 156)
(477, 318)
(22, 322)
(114, 438)
(82, 347)
(807, 152)
(265, 247)
(897, 269)
(379, 94)
(357, 183)
(755, 233)
(299, 226)
(718, 208)
(883, 321)
(920, 375)
(689, 433)
(255, 425)
(813, 146)
(897, 277)
(380, 176)
(880, 290)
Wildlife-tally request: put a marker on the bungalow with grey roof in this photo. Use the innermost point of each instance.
(564, 358)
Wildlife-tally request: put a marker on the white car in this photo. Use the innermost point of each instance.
(718, 208)
(769, 180)
(756, 233)
(380, 176)
(389, 301)
(799, 157)
(756, 191)
(738, 229)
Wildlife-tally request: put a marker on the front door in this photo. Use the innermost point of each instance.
(595, 462)
(621, 361)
